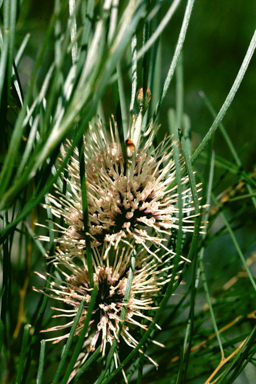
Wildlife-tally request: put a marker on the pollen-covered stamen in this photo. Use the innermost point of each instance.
(130, 204)
(130, 212)
(108, 303)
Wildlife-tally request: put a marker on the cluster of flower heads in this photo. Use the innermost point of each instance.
(131, 209)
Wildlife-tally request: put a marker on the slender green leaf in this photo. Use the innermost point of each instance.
(23, 354)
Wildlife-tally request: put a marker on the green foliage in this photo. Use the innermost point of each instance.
(93, 51)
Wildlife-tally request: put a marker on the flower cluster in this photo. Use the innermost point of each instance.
(74, 285)
(128, 202)
(131, 210)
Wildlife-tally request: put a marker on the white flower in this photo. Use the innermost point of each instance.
(128, 200)
(131, 208)
(73, 285)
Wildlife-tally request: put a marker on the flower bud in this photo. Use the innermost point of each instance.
(143, 101)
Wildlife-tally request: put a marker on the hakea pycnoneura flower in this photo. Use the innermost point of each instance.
(128, 197)
(131, 208)
(73, 284)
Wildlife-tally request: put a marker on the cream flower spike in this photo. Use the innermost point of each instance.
(73, 284)
(128, 201)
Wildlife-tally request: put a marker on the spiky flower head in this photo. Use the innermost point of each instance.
(129, 200)
(131, 208)
(73, 284)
